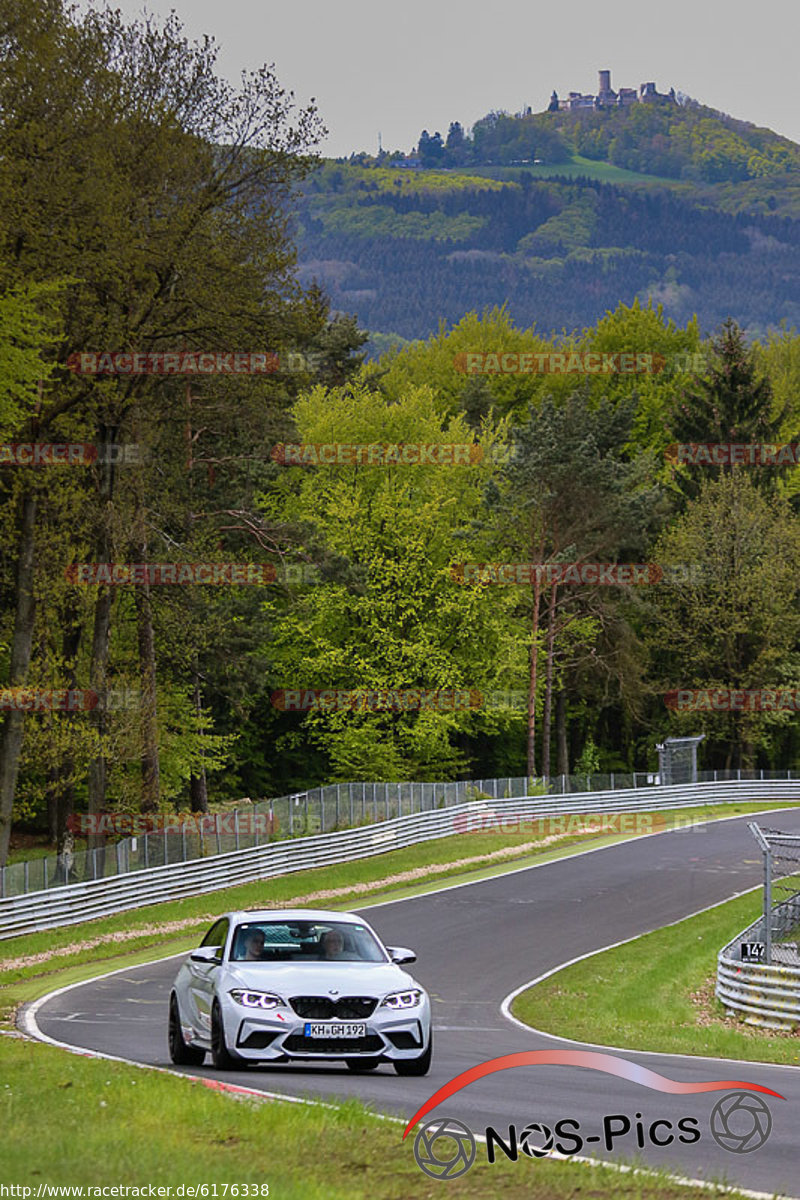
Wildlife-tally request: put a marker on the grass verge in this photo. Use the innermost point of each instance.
(72, 1121)
(657, 993)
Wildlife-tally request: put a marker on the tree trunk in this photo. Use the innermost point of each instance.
(51, 801)
(537, 589)
(61, 794)
(198, 788)
(561, 732)
(98, 672)
(98, 669)
(12, 731)
(548, 690)
(147, 672)
(65, 871)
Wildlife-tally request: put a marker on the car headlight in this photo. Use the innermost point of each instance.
(257, 999)
(408, 999)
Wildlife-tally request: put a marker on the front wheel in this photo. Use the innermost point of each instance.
(416, 1066)
(181, 1054)
(221, 1056)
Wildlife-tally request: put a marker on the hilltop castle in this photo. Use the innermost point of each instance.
(607, 98)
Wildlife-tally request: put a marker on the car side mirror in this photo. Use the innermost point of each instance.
(399, 955)
(207, 954)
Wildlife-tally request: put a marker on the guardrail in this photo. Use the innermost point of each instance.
(766, 995)
(319, 810)
(177, 839)
(74, 903)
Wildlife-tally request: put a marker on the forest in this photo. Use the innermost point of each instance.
(405, 250)
(168, 572)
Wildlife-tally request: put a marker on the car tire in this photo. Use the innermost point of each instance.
(358, 1065)
(221, 1056)
(181, 1054)
(416, 1066)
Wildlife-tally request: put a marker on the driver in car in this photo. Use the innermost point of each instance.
(254, 946)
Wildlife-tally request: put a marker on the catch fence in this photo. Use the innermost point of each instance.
(301, 814)
(82, 901)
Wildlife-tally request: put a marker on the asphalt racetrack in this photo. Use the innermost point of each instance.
(476, 944)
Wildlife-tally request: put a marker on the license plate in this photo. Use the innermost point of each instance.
(338, 1029)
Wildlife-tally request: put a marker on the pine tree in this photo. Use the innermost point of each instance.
(732, 403)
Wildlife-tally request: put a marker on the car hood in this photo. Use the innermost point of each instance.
(319, 979)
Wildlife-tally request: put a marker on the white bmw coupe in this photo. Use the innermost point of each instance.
(302, 984)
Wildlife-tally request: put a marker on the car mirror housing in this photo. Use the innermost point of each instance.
(207, 954)
(400, 955)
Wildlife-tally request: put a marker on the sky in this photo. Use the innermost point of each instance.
(394, 69)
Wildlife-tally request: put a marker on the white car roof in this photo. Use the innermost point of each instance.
(294, 914)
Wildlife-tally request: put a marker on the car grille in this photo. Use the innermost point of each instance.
(363, 1045)
(323, 1008)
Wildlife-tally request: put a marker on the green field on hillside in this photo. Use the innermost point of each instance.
(576, 167)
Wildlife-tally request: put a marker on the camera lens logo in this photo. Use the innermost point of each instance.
(444, 1148)
(740, 1122)
(532, 1134)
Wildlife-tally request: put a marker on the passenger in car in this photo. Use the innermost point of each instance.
(332, 945)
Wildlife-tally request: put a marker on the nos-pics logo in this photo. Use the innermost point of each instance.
(445, 1148)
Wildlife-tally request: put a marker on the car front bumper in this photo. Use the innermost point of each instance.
(262, 1036)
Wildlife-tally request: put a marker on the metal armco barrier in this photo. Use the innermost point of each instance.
(74, 903)
(766, 995)
(164, 838)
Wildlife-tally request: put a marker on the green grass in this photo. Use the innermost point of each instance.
(71, 1121)
(576, 166)
(639, 996)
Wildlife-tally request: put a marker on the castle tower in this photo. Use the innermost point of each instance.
(605, 83)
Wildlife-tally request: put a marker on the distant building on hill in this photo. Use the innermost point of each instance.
(412, 161)
(607, 98)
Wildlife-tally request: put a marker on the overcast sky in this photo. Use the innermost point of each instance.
(396, 68)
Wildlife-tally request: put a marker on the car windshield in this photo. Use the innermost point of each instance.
(304, 941)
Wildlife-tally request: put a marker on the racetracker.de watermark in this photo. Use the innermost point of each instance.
(484, 820)
(245, 824)
(377, 454)
(574, 362)
(611, 574)
(191, 362)
(72, 454)
(733, 700)
(725, 454)
(219, 573)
